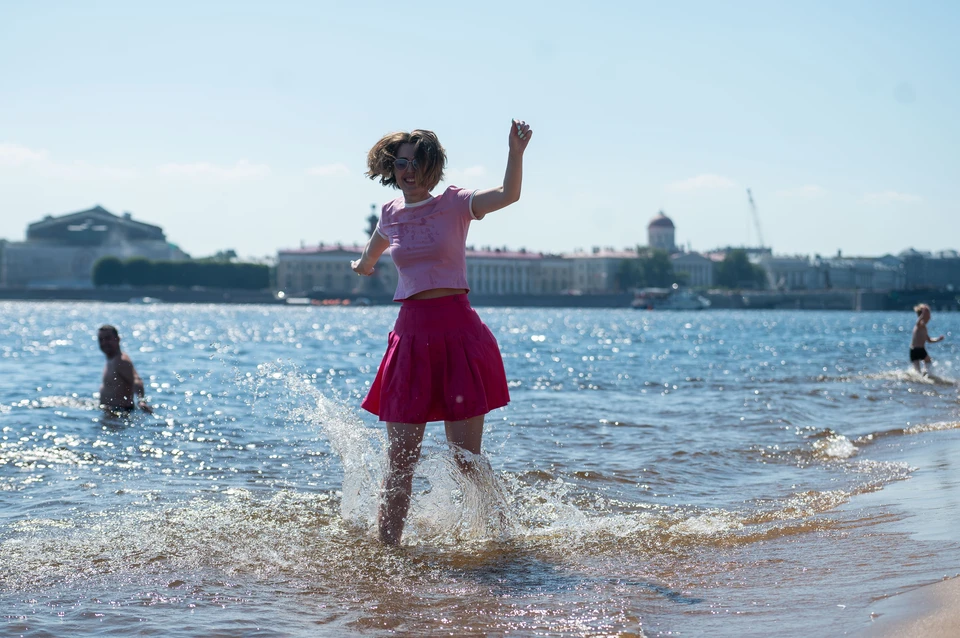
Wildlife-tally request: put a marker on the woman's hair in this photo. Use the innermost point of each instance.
(427, 152)
(920, 307)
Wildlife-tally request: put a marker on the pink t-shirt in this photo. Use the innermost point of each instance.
(428, 241)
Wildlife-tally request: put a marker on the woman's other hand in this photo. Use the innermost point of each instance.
(360, 268)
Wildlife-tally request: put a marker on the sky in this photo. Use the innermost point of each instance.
(245, 126)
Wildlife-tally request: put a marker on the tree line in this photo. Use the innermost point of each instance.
(653, 269)
(111, 271)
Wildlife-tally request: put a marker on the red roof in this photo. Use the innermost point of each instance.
(311, 250)
(512, 254)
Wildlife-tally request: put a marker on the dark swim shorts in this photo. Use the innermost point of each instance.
(918, 354)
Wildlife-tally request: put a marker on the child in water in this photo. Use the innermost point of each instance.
(920, 338)
(442, 363)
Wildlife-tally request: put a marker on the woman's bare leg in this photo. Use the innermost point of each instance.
(466, 435)
(403, 452)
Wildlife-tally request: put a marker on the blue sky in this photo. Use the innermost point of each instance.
(246, 125)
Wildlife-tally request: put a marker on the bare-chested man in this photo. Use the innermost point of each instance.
(120, 379)
(920, 338)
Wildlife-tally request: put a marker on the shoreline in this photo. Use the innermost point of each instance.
(845, 300)
(929, 611)
(930, 500)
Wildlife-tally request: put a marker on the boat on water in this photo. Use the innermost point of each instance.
(673, 298)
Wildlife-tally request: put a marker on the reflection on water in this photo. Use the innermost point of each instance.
(710, 473)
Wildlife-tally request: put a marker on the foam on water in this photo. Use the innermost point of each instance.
(836, 446)
(908, 375)
(932, 427)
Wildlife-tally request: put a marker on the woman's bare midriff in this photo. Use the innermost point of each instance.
(433, 293)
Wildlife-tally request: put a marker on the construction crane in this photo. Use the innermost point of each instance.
(772, 282)
(756, 218)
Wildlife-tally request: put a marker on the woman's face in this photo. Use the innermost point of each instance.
(407, 178)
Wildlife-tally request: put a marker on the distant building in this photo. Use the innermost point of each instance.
(490, 271)
(800, 272)
(661, 233)
(555, 276)
(860, 273)
(699, 269)
(59, 252)
(502, 272)
(596, 271)
(326, 269)
(790, 272)
(931, 270)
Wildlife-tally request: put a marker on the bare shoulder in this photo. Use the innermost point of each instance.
(125, 365)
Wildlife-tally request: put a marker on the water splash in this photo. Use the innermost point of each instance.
(906, 375)
(835, 446)
(465, 500)
(460, 498)
(359, 448)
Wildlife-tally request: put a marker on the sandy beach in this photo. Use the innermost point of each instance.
(931, 500)
(927, 612)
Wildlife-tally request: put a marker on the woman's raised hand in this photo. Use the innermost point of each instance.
(520, 134)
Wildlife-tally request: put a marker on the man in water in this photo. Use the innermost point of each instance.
(120, 379)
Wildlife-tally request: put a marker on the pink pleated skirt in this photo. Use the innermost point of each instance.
(442, 364)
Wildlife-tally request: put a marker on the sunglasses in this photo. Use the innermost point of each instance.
(401, 164)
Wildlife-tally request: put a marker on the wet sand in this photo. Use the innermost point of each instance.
(927, 612)
(931, 500)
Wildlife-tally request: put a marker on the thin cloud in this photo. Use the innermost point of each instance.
(810, 191)
(329, 170)
(16, 155)
(204, 170)
(83, 170)
(706, 181)
(891, 197)
(40, 162)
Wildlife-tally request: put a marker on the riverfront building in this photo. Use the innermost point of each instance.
(326, 270)
(60, 252)
(501, 271)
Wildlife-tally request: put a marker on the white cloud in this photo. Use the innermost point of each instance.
(16, 155)
(329, 170)
(890, 197)
(204, 170)
(809, 191)
(40, 162)
(701, 182)
(84, 170)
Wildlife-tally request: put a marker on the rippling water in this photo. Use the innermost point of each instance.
(655, 474)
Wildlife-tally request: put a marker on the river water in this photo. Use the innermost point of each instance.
(719, 473)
